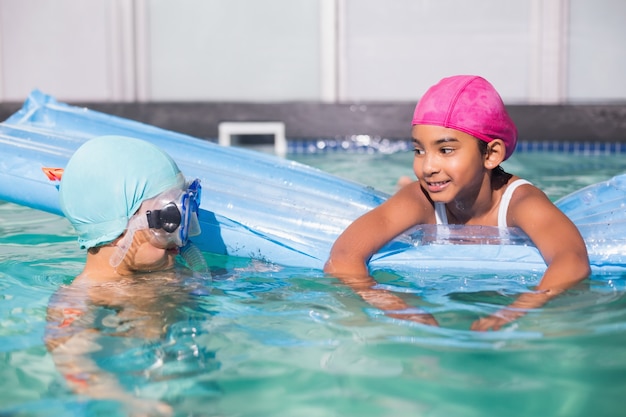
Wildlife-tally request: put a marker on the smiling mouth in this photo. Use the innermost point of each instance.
(435, 186)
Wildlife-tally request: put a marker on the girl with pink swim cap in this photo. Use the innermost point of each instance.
(461, 133)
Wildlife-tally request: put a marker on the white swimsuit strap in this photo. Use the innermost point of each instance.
(506, 199)
(441, 216)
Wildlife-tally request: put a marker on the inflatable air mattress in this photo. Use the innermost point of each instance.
(264, 207)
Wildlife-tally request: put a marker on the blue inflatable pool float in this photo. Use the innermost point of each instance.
(264, 207)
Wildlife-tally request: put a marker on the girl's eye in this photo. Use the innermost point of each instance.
(446, 151)
(418, 151)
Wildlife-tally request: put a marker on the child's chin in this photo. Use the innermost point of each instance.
(163, 264)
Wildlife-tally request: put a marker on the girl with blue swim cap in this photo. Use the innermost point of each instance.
(130, 205)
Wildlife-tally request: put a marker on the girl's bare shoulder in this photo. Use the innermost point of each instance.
(525, 190)
(411, 202)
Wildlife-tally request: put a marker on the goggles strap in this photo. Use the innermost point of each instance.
(135, 223)
(121, 249)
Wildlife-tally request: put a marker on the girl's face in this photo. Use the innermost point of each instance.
(448, 163)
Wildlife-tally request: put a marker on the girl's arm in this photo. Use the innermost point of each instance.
(366, 235)
(561, 246)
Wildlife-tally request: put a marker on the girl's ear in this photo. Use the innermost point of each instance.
(496, 152)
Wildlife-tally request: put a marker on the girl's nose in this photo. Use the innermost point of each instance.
(429, 164)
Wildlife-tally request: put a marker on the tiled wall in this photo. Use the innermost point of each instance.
(330, 51)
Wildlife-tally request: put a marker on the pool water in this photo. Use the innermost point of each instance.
(261, 340)
(557, 173)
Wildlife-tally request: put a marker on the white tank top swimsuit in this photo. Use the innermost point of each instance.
(442, 216)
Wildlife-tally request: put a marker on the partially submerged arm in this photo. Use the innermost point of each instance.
(366, 235)
(561, 246)
(72, 338)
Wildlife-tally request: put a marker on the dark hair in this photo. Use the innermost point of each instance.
(94, 250)
(498, 175)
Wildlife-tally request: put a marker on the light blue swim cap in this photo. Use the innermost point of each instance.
(105, 182)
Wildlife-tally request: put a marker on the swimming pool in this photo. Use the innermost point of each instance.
(261, 340)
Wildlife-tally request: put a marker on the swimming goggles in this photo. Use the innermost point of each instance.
(178, 217)
(171, 217)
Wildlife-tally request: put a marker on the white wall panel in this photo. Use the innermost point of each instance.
(396, 49)
(234, 50)
(73, 49)
(597, 34)
(534, 51)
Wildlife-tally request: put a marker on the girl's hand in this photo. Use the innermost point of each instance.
(497, 320)
(423, 318)
(524, 303)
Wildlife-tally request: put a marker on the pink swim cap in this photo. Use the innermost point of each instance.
(470, 104)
